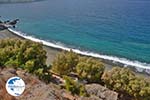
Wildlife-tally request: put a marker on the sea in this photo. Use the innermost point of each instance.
(115, 30)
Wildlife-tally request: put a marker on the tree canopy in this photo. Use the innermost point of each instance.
(87, 68)
(125, 81)
(65, 62)
(90, 69)
(23, 54)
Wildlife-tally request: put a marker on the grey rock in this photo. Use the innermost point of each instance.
(101, 92)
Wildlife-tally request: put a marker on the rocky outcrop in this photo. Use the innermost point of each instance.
(101, 92)
(35, 89)
(38, 90)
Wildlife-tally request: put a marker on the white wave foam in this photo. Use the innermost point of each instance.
(139, 65)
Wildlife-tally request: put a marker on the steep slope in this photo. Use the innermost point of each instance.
(38, 90)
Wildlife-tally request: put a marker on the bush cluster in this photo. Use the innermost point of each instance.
(90, 69)
(74, 87)
(125, 82)
(122, 80)
(24, 54)
(31, 57)
(86, 68)
(65, 62)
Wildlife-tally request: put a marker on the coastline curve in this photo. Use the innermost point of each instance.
(139, 66)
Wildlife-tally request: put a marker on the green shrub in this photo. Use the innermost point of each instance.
(44, 75)
(21, 53)
(24, 54)
(90, 69)
(65, 62)
(74, 87)
(125, 82)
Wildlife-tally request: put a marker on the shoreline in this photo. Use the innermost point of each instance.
(52, 52)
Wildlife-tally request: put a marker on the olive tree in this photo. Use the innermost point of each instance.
(90, 69)
(65, 62)
(23, 54)
(126, 83)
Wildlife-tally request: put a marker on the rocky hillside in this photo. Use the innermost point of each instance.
(38, 90)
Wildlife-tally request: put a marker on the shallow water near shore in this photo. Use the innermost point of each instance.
(117, 29)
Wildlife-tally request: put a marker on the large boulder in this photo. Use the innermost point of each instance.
(101, 92)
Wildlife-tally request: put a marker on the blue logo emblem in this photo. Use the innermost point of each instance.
(15, 86)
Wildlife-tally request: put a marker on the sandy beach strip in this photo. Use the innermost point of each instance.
(52, 52)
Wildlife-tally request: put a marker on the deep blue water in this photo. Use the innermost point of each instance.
(113, 27)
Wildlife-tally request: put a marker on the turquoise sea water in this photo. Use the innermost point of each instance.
(118, 28)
